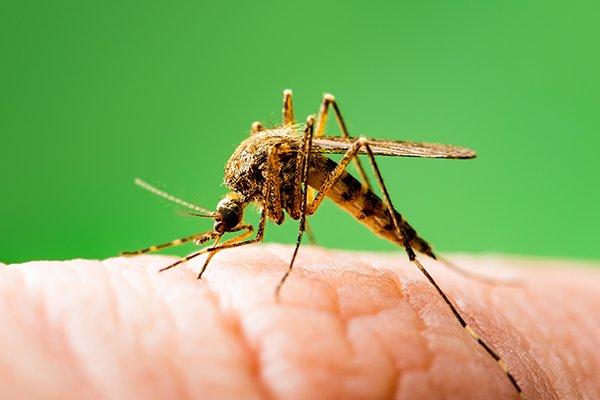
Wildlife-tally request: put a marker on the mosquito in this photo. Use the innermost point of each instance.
(286, 170)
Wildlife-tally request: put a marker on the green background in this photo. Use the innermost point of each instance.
(94, 94)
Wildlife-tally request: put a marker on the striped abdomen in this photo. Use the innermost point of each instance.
(366, 206)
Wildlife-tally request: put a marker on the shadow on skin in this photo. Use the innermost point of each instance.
(350, 325)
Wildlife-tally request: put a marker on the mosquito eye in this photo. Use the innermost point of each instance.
(230, 217)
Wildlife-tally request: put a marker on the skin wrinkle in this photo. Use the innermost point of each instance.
(395, 379)
(18, 280)
(79, 362)
(421, 328)
(46, 324)
(228, 321)
(109, 295)
(520, 327)
(428, 303)
(524, 359)
(233, 322)
(167, 366)
(43, 294)
(356, 280)
(341, 321)
(550, 367)
(348, 321)
(465, 294)
(116, 315)
(530, 357)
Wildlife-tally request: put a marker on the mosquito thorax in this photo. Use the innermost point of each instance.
(230, 211)
(246, 169)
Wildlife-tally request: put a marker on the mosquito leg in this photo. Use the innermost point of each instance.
(259, 236)
(197, 237)
(329, 100)
(304, 182)
(301, 164)
(288, 108)
(237, 241)
(335, 175)
(248, 228)
(397, 220)
(275, 207)
(398, 224)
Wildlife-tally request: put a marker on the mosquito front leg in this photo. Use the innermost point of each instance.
(259, 236)
(238, 241)
(247, 227)
(198, 238)
(306, 153)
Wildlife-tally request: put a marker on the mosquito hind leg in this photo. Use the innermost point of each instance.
(329, 100)
(401, 232)
(411, 255)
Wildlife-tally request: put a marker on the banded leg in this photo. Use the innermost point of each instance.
(398, 226)
(259, 236)
(238, 240)
(306, 151)
(198, 238)
(275, 209)
(248, 228)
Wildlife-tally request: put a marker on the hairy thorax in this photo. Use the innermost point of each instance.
(246, 170)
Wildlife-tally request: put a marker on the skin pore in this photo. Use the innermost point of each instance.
(349, 325)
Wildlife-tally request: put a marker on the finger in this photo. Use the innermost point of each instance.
(349, 326)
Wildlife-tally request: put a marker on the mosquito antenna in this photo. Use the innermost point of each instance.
(202, 212)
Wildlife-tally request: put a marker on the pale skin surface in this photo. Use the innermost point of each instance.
(350, 326)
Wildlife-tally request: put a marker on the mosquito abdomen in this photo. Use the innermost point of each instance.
(363, 204)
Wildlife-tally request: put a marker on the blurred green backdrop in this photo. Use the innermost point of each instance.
(95, 94)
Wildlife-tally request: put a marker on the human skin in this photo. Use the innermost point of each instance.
(348, 326)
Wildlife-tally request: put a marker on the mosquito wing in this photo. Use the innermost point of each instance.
(339, 145)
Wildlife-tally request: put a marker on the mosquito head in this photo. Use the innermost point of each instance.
(229, 213)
